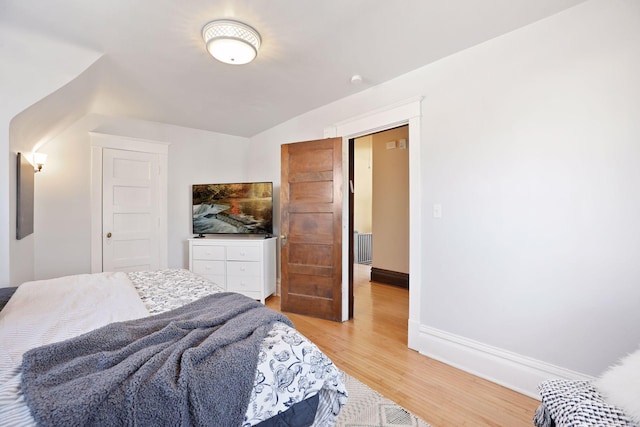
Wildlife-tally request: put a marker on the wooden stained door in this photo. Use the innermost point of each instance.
(311, 228)
(130, 211)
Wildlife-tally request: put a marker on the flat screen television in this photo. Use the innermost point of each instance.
(239, 208)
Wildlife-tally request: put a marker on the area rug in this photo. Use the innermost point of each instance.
(368, 408)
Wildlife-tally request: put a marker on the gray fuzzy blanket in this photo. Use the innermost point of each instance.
(191, 366)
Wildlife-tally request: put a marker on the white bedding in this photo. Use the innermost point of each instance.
(63, 308)
(48, 311)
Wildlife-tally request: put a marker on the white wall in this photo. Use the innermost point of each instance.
(31, 69)
(62, 205)
(34, 128)
(390, 207)
(530, 143)
(362, 183)
(63, 217)
(199, 158)
(532, 150)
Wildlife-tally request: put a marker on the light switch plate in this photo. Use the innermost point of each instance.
(391, 145)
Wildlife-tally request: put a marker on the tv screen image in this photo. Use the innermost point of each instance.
(242, 208)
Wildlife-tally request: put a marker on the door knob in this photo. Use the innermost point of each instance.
(284, 239)
(108, 235)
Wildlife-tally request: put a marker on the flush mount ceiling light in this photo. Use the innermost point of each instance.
(231, 42)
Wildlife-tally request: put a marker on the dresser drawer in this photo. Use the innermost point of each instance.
(243, 253)
(244, 285)
(208, 268)
(243, 265)
(243, 269)
(208, 252)
(251, 294)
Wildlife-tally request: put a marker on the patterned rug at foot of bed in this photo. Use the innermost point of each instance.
(368, 408)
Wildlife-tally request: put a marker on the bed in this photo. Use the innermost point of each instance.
(293, 382)
(610, 400)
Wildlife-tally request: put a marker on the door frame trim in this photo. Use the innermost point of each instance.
(405, 112)
(100, 141)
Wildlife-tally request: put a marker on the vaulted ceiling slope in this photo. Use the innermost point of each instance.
(156, 67)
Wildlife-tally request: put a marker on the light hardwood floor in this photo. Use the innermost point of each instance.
(372, 347)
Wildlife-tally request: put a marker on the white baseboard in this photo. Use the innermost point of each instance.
(511, 370)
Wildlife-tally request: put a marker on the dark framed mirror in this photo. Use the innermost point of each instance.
(24, 198)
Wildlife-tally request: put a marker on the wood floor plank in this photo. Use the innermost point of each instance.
(372, 347)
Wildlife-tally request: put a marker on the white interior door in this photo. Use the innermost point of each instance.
(130, 211)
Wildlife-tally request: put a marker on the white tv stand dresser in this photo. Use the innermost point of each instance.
(246, 265)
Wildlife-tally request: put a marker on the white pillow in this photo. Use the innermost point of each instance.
(620, 385)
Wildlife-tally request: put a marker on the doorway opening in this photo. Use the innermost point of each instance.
(405, 112)
(379, 210)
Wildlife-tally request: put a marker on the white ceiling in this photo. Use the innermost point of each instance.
(156, 67)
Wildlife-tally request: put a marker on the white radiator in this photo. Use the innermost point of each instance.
(362, 243)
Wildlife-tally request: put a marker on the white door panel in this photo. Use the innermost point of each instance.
(126, 196)
(130, 210)
(131, 169)
(132, 222)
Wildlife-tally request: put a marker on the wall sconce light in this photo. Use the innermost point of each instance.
(38, 160)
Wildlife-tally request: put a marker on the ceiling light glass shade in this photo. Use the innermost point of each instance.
(231, 42)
